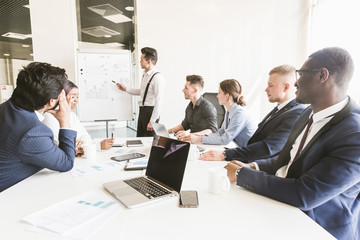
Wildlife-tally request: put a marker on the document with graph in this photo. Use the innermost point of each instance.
(75, 217)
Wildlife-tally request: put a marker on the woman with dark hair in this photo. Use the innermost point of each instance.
(82, 135)
(237, 125)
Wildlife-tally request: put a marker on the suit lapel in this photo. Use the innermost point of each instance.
(300, 124)
(278, 113)
(350, 106)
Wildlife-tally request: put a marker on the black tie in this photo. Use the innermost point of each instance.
(272, 113)
(303, 139)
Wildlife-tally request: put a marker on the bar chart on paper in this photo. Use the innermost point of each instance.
(96, 168)
(78, 217)
(100, 204)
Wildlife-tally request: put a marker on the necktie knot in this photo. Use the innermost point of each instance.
(272, 113)
(274, 110)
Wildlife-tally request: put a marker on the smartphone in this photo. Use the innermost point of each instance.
(126, 157)
(188, 199)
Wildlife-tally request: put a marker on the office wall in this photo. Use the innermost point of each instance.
(16, 65)
(55, 38)
(2, 71)
(222, 39)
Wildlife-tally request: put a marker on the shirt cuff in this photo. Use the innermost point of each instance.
(68, 129)
(256, 166)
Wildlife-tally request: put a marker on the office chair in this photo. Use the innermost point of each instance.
(211, 97)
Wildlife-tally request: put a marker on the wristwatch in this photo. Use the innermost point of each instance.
(224, 154)
(237, 171)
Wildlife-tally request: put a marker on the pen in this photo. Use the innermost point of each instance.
(113, 81)
(112, 135)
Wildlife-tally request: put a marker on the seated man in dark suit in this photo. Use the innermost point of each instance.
(26, 144)
(318, 169)
(272, 132)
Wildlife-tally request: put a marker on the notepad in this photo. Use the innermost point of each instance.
(134, 143)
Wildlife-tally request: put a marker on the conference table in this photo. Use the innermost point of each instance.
(237, 214)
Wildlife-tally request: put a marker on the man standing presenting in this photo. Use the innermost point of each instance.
(200, 114)
(273, 131)
(26, 144)
(151, 92)
(318, 169)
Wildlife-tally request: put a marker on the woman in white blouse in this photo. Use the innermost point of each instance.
(237, 125)
(83, 136)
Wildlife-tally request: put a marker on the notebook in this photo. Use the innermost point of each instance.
(163, 177)
(160, 129)
(134, 143)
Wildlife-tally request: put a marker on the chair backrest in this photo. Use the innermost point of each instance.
(211, 97)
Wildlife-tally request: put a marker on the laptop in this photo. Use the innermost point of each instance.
(163, 177)
(160, 129)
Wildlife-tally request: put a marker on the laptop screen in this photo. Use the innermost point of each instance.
(167, 161)
(160, 129)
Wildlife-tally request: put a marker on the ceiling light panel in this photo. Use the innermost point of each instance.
(99, 31)
(16, 35)
(110, 13)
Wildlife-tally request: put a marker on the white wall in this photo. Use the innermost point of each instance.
(17, 65)
(329, 31)
(2, 72)
(54, 33)
(222, 39)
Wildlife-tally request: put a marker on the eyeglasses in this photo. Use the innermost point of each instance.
(298, 73)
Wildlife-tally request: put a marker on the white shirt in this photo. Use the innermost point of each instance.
(319, 120)
(39, 115)
(53, 124)
(155, 93)
(280, 106)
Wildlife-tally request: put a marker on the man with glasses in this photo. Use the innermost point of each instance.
(151, 92)
(274, 129)
(318, 169)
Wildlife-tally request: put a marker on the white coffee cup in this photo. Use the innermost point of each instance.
(89, 150)
(218, 180)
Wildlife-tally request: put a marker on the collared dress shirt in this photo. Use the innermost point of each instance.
(319, 120)
(155, 93)
(280, 106)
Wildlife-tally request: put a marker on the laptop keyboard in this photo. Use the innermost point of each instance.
(146, 187)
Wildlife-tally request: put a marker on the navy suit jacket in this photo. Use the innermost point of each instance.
(324, 181)
(271, 135)
(27, 146)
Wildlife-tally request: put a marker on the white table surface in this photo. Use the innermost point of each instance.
(239, 214)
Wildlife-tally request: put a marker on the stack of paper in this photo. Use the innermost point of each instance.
(78, 217)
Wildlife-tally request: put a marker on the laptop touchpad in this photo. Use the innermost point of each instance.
(126, 191)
